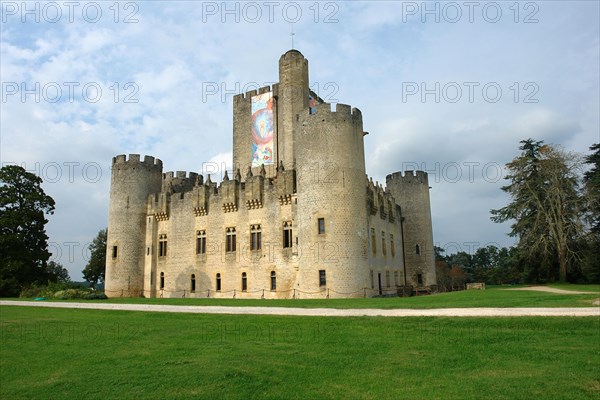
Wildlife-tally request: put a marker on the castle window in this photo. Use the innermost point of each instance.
(396, 278)
(420, 279)
(148, 251)
(392, 247)
(244, 282)
(373, 244)
(387, 278)
(417, 249)
(372, 280)
(162, 280)
(287, 234)
(383, 246)
(322, 278)
(218, 283)
(114, 252)
(230, 240)
(273, 280)
(162, 245)
(200, 242)
(255, 237)
(321, 222)
(193, 284)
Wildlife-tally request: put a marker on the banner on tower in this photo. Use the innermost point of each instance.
(262, 129)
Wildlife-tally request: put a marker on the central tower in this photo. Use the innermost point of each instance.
(292, 100)
(263, 119)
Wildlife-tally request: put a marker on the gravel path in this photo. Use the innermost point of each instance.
(551, 290)
(330, 312)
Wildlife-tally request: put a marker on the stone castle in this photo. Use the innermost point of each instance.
(297, 217)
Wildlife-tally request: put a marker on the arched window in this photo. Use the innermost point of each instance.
(193, 283)
(244, 282)
(255, 237)
(162, 245)
(218, 282)
(230, 239)
(273, 280)
(162, 280)
(417, 249)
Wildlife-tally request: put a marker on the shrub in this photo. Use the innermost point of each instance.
(95, 296)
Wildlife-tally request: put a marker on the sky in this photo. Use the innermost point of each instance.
(445, 87)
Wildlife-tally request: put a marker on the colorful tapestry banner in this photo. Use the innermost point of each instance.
(262, 129)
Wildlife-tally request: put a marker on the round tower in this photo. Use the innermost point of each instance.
(411, 192)
(332, 201)
(292, 99)
(132, 181)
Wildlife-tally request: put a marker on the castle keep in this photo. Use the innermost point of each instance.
(297, 216)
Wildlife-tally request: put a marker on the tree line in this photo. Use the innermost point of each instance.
(554, 211)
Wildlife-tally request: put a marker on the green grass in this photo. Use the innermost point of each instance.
(493, 297)
(572, 286)
(94, 354)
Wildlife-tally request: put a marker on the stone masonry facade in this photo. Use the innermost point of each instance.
(305, 221)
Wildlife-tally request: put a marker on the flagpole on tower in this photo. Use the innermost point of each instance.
(292, 36)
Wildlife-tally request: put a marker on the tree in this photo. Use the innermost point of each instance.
(95, 268)
(57, 273)
(23, 241)
(590, 262)
(545, 206)
(591, 181)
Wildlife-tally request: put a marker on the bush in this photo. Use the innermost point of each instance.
(95, 296)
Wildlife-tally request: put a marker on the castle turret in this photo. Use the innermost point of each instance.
(292, 99)
(132, 181)
(411, 192)
(332, 212)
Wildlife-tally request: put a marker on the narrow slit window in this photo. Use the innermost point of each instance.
(114, 252)
(417, 249)
(287, 234)
(244, 282)
(373, 243)
(383, 246)
(193, 283)
(201, 242)
(273, 280)
(322, 278)
(321, 223)
(218, 283)
(392, 247)
(162, 280)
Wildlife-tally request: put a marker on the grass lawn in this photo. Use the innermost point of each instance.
(492, 297)
(95, 354)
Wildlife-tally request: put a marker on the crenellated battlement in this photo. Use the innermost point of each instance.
(191, 191)
(135, 160)
(380, 200)
(324, 111)
(408, 177)
(249, 94)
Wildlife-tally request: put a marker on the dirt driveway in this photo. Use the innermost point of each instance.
(325, 312)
